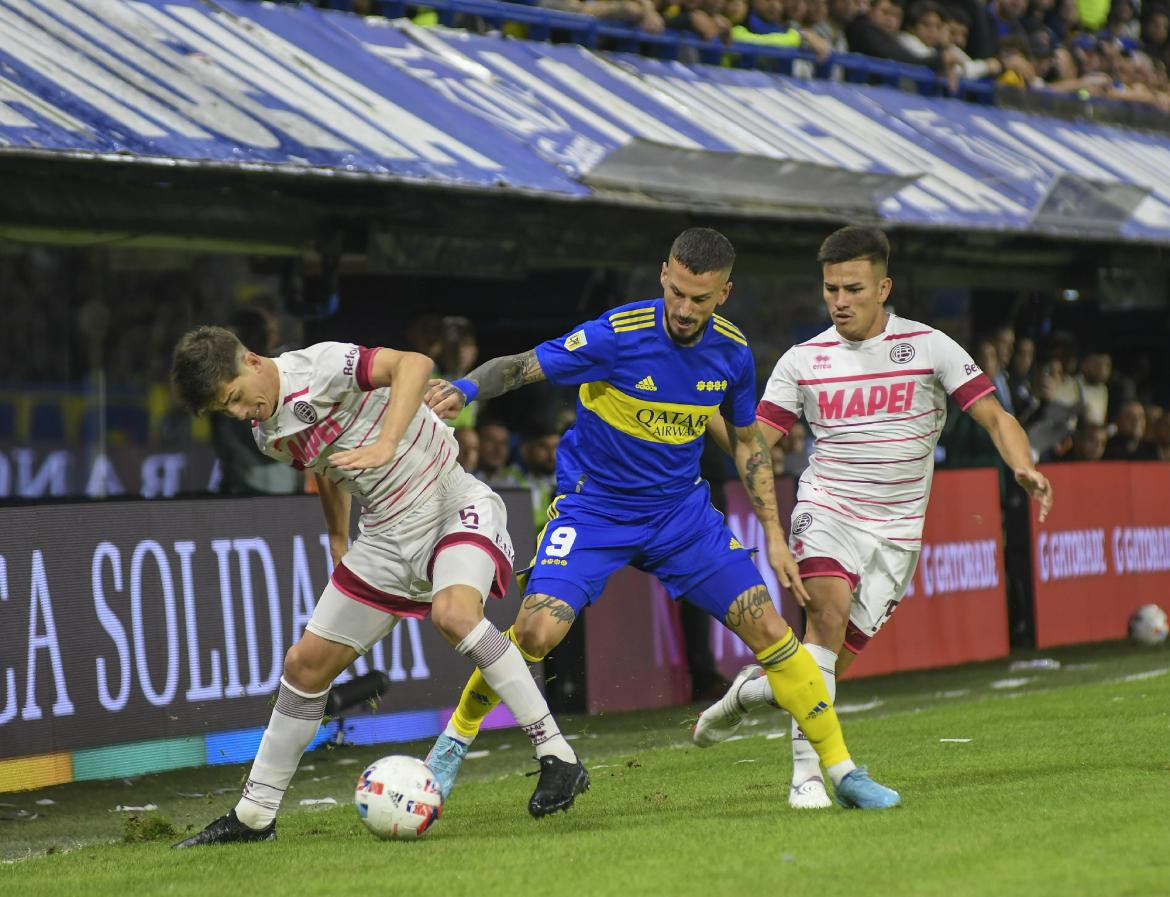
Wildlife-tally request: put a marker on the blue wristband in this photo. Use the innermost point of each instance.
(468, 389)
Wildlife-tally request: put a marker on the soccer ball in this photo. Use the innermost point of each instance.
(398, 797)
(1148, 625)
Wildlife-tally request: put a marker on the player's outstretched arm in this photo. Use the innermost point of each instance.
(753, 460)
(335, 503)
(492, 378)
(407, 373)
(1012, 443)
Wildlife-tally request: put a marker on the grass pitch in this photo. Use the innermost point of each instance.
(1055, 785)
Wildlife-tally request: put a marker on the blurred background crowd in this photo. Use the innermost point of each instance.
(1115, 49)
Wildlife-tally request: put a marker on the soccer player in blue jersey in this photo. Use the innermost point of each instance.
(652, 374)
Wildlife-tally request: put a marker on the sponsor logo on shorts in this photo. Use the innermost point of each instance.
(305, 412)
(901, 353)
(801, 522)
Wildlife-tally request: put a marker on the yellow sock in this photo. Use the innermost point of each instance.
(800, 689)
(478, 698)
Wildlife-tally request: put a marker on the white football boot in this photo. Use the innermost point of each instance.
(719, 721)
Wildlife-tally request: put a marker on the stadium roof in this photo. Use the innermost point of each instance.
(296, 93)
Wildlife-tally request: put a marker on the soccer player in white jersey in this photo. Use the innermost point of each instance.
(433, 539)
(874, 389)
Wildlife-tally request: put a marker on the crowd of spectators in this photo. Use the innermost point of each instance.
(1118, 49)
(1074, 405)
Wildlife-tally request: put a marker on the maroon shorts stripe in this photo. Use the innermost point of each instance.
(821, 566)
(503, 576)
(348, 583)
(855, 639)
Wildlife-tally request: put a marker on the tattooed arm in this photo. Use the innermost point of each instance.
(492, 378)
(753, 460)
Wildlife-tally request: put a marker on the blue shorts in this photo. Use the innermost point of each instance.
(684, 543)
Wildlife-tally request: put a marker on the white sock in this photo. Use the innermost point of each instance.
(295, 720)
(805, 763)
(450, 732)
(505, 670)
(756, 693)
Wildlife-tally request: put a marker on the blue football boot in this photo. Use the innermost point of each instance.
(857, 791)
(444, 760)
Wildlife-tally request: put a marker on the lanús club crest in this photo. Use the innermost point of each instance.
(901, 353)
(305, 412)
(801, 522)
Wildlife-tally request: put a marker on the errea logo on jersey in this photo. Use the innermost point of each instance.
(576, 340)
(822, 362)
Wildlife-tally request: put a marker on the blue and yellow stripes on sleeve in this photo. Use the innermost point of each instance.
(634, 319)
(729, 330)
(666, 423)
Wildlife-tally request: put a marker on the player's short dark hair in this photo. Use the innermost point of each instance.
(701, 249)
(855, 242)
(203, 361)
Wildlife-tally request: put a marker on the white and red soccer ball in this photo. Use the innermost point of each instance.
(398, 797)
(1148, 625)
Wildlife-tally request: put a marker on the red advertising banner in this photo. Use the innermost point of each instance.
(956, 608)
(955, 611)
(1103, 551)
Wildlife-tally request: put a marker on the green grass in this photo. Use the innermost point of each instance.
(1063, 789)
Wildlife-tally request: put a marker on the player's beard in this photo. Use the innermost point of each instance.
(682, 340)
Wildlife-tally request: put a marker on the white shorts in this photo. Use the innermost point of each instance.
(392, 574)
(878, 571)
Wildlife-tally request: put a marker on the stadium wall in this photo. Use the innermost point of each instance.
(138, 637)
(143, 636)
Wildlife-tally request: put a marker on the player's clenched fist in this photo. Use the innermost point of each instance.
(444, 399)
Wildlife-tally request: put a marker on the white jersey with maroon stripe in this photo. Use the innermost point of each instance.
(876, 409)
(327, 404)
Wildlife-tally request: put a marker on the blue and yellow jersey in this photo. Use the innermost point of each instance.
(644, 400)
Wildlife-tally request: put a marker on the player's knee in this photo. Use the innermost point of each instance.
(455, 612)
(827, 621)
(534, 638)
(304, 671)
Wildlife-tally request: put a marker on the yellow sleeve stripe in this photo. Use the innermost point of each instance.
(626, 327)
(632, 313)
(719, 319)
(730, 335)
(633, 319)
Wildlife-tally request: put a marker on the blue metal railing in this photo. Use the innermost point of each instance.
(541, 24)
